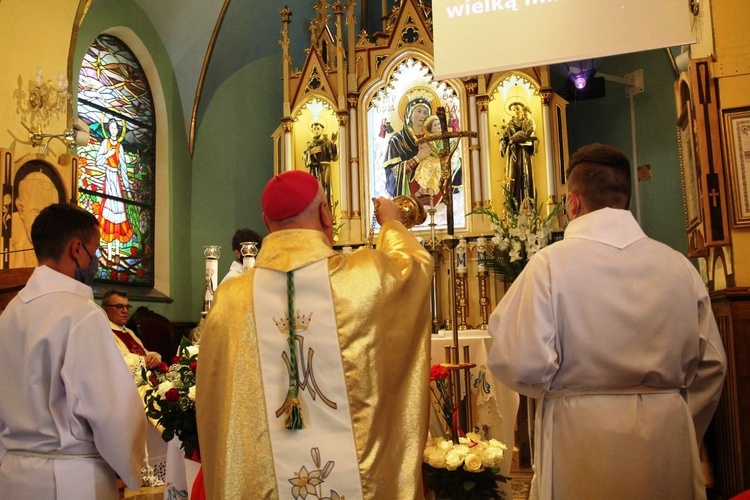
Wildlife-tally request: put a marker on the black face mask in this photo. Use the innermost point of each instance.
(86, 274)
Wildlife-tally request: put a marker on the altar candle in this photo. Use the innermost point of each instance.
(212, 271)
(481, 254)
(461, 256)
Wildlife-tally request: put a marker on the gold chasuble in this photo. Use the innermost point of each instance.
(362, 353)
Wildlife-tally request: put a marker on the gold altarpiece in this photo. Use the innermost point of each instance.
(360, 89)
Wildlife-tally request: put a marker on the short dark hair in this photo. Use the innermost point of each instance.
(56, 225)
(600, 174)
(113, 291)
(243, 235)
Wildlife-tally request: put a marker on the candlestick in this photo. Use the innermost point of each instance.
(435, 305)
(484, 300)
(462, 300)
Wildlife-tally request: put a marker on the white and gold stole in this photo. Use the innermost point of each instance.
(322, 457)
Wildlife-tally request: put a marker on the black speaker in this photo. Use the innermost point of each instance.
(594, 89)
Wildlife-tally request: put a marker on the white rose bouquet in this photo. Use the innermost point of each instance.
(170, 398)
(519, 232)
(467, 470)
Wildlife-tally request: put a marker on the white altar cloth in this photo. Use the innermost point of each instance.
(496, 405)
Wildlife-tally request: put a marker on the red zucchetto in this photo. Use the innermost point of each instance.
(288, 194)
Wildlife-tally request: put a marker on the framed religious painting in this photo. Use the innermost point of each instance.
(30, 184)
(737, 153)
(690, 171)
(399, 111)
(686, 150)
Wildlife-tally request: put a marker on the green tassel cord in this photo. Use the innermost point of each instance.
(293, 420)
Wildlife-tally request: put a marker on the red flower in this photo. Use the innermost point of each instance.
(162, 367)
(153, 380)
(176, 360)
(172, 395)
(133, 251)
(193, 366)
(438, 372)
(124, 276)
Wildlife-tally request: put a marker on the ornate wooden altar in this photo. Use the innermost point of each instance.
(360, 106)
(356, 107)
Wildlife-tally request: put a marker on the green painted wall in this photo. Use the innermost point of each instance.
(233, 159)
(104, 15)
(607, 120)
(218, 189)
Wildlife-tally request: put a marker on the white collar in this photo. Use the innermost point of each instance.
(617, 228)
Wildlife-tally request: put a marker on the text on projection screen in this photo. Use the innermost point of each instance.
(475, 37)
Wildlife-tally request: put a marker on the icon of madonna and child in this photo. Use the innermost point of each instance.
(414, 169)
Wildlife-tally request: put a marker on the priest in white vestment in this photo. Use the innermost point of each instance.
(71, 419)
(313, 377)
(614, 333)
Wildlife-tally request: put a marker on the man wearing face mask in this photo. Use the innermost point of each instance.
(71, 419)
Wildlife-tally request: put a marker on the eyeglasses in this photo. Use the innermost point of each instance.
(119, 307)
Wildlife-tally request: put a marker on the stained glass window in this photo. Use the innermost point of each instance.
(116, 171)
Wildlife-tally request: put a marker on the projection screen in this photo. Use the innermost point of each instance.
(483, 36)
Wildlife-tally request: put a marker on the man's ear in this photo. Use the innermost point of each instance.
(19, 204)
(73, 248)
(324, 213)
(576, 205)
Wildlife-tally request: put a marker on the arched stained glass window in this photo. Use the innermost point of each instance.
(116, 176)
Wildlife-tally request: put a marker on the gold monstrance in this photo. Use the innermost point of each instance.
(442, 145)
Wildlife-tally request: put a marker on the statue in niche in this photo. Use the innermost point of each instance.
(519, 142)
(320, 152)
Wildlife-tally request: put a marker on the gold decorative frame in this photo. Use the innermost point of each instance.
(737, 154)
(688, 168)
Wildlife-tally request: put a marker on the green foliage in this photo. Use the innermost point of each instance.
(519, 232)
(461, 484)
(170, 399)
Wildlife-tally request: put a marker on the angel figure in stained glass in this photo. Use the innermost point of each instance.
(116, 228)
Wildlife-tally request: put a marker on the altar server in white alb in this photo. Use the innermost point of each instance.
(70, 416)
(313, 376)
(614, 333)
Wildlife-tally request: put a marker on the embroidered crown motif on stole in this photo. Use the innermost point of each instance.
(300, 369)
(301, 322)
